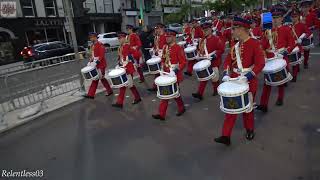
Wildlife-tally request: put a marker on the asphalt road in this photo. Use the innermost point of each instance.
(90, 140)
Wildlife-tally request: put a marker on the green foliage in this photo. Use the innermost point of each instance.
(178, 17)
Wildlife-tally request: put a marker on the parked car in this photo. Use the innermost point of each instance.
(46, 50)
(109, 39)
(176, 27)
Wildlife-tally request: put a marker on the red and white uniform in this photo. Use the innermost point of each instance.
(211, 43)
(282, 38)
(123, 52)
(196, 33)
(98, 51)
(251, 57)
(178, 60)
(217, 26)
(135, 45)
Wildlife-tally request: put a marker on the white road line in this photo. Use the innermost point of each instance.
(314, 53)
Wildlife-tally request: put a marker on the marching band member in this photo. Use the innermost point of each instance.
(217, 25)
(98, 56)
(126, 60)
(135, 45)
(298, 29)
(212, 46)
(256, 31)
(309, 18)
(252, 61)
(282, 43)
(173, 61)
(196, 33)
(159, 42)
(187, 32)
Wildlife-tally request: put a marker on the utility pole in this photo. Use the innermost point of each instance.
(190, 6)
(70, 24)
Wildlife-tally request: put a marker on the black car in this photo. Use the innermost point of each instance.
(46, 50)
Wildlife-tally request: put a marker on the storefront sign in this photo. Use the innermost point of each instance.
(169, 10)
(52, 22)
(8, 9)
(131, 13)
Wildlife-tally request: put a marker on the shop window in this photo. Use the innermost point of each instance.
(27, 8)
(108, 6)
(50, 8)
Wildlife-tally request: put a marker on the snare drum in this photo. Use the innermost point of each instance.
(275, 72)
(204, 70)
(191, 52)
(234, 97)
(118, 78)
(167, 87)
(295, 58)
(154, 65)
(90, 73)
(307, 43)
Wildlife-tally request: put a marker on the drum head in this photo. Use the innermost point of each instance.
(165, 80)
(274, 65)
(116, 72)
(154, 60)
(182, 43)
(190, 49)
(87, 69)
(233, 88)
(202, 65)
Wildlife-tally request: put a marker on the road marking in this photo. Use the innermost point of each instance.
(314, 53)
(318, 130)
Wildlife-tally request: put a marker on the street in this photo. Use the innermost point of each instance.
(90, 140)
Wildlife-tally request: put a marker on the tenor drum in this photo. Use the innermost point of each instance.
(154, 65)
(275, 72)
(307, 43)
(90, 73)
(204, 70)
(234, 97)
(191, 52)
(183, 44)
(118, 78)
(295, 58)
(167, 87)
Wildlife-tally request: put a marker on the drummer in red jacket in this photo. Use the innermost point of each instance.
(196, 33)
(252, 59)
(283, 43)
(212, 45)
(298, 29)
(135, 45)
(256, 30)
(126, 61)
(173, 61)
(98, 57)
(159, 42)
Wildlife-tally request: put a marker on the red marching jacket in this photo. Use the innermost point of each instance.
(218, 24)
(257, 32)
(99, 51)
(160, 41)
(213, 43)
(198, 33)
(311, 19)
(135, 45)
(251, 55)
(177, 58)
(123, 52)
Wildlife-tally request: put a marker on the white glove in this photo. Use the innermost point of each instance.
(89, 63)
(226, 78)
(214, 29)
(93, 64)
(243, 79)
(172, 73)
(278, 55)
(298, 41)
(95, 59)
(117, 67)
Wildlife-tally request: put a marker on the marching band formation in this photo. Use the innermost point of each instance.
(273, 42)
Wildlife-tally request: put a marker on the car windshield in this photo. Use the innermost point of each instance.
(110, 35)
(175, 25)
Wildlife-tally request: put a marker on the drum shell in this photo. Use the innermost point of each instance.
(92, 74)
(119, 80)
(167, 90)
(295, 58)
(204, 73)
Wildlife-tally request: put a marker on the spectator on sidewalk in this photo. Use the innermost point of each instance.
(146, 37)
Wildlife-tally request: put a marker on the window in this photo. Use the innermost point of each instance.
(110, 36)
(108, 6)
(90, 4)
(50, 8)
(27, 8)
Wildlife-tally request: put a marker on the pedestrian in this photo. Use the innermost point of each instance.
(146, 38)
(97, 56)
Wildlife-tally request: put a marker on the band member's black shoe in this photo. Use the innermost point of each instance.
(157, 116)
(152, 89)
(306, 66)
(136, 101)
(197, 95)
(215, 93)
(182, 112)
(187, 73)
(294, 79)
(88, 97)
(223, 140)
(250, 135)
(279, 102)
(262, 108)
(109, 94)
(117, 105)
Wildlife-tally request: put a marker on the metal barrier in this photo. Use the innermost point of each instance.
(49, 78)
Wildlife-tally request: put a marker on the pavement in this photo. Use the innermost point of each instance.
(90, 140)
